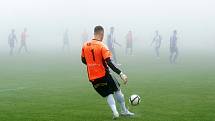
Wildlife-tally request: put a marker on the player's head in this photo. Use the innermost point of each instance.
(99, 33)
(112, 29)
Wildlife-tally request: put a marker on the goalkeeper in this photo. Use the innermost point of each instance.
(97, 57)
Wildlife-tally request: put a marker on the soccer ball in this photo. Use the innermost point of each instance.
(134, 100)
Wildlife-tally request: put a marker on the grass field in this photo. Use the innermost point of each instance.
(55, 88)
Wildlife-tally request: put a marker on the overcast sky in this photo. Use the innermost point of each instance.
(47, 19)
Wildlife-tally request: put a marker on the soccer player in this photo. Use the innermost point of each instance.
(129, 43)
(97, 58)
(66, 40)
(173, 47)
(11, 41)
(111, 41)
(23, 41)
(157, 43)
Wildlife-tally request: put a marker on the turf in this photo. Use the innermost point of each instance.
(53, 87)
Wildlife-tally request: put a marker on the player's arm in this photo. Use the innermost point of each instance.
(117, 43)
(153, 41)
(83, 59)
(112, 66)
(106, 56)
(116, 70)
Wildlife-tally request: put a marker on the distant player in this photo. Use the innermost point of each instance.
(66, 40)
(129, 43)
(157, 43)
(84, 36)
(11, 41)
(111, 41)
(173, 47)
(23, 41)
(97, 58)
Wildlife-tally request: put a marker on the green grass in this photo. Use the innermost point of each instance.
(55, 88)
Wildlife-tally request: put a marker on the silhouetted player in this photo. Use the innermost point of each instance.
(173, 47)
(111, 41)
(66, 40)
(129, 43)
(23, 41)
(11, 41)
(157, 43)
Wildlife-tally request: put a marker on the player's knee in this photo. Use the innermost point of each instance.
(120, 94)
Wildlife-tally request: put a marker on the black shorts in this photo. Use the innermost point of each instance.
(106, 85)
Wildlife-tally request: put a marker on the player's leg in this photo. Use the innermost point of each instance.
(112, 104)
(131, 49)
(171, 55)
(176, 55)
(20, 48)
(114, 84)
(157, 51)
(11, 48)
(114, 55)
(26, 48)
(102, 87)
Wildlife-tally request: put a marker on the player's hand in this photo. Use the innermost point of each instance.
(124, 78)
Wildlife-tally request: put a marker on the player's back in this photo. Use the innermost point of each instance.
(93, 52)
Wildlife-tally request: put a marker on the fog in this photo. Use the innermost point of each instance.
(46, 21)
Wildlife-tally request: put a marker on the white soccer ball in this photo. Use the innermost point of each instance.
(134, 100)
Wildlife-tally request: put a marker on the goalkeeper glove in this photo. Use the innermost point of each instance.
(124, 78)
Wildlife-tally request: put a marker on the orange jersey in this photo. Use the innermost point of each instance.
(95, 52)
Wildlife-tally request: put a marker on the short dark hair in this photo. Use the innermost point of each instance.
(98, 29)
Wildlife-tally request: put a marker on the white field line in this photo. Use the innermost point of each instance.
(12, 89)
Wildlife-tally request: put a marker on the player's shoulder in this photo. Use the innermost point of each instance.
(103, 45)
(87, 42)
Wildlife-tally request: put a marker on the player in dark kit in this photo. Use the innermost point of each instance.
(97, 58)
(111, 41)
(11, 41)
(173, 47)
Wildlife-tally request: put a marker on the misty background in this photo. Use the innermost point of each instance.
(46, 21)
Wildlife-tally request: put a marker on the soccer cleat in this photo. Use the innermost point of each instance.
(115, 115)
(127, 113)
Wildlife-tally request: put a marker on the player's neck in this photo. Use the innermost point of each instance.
(97, 38)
